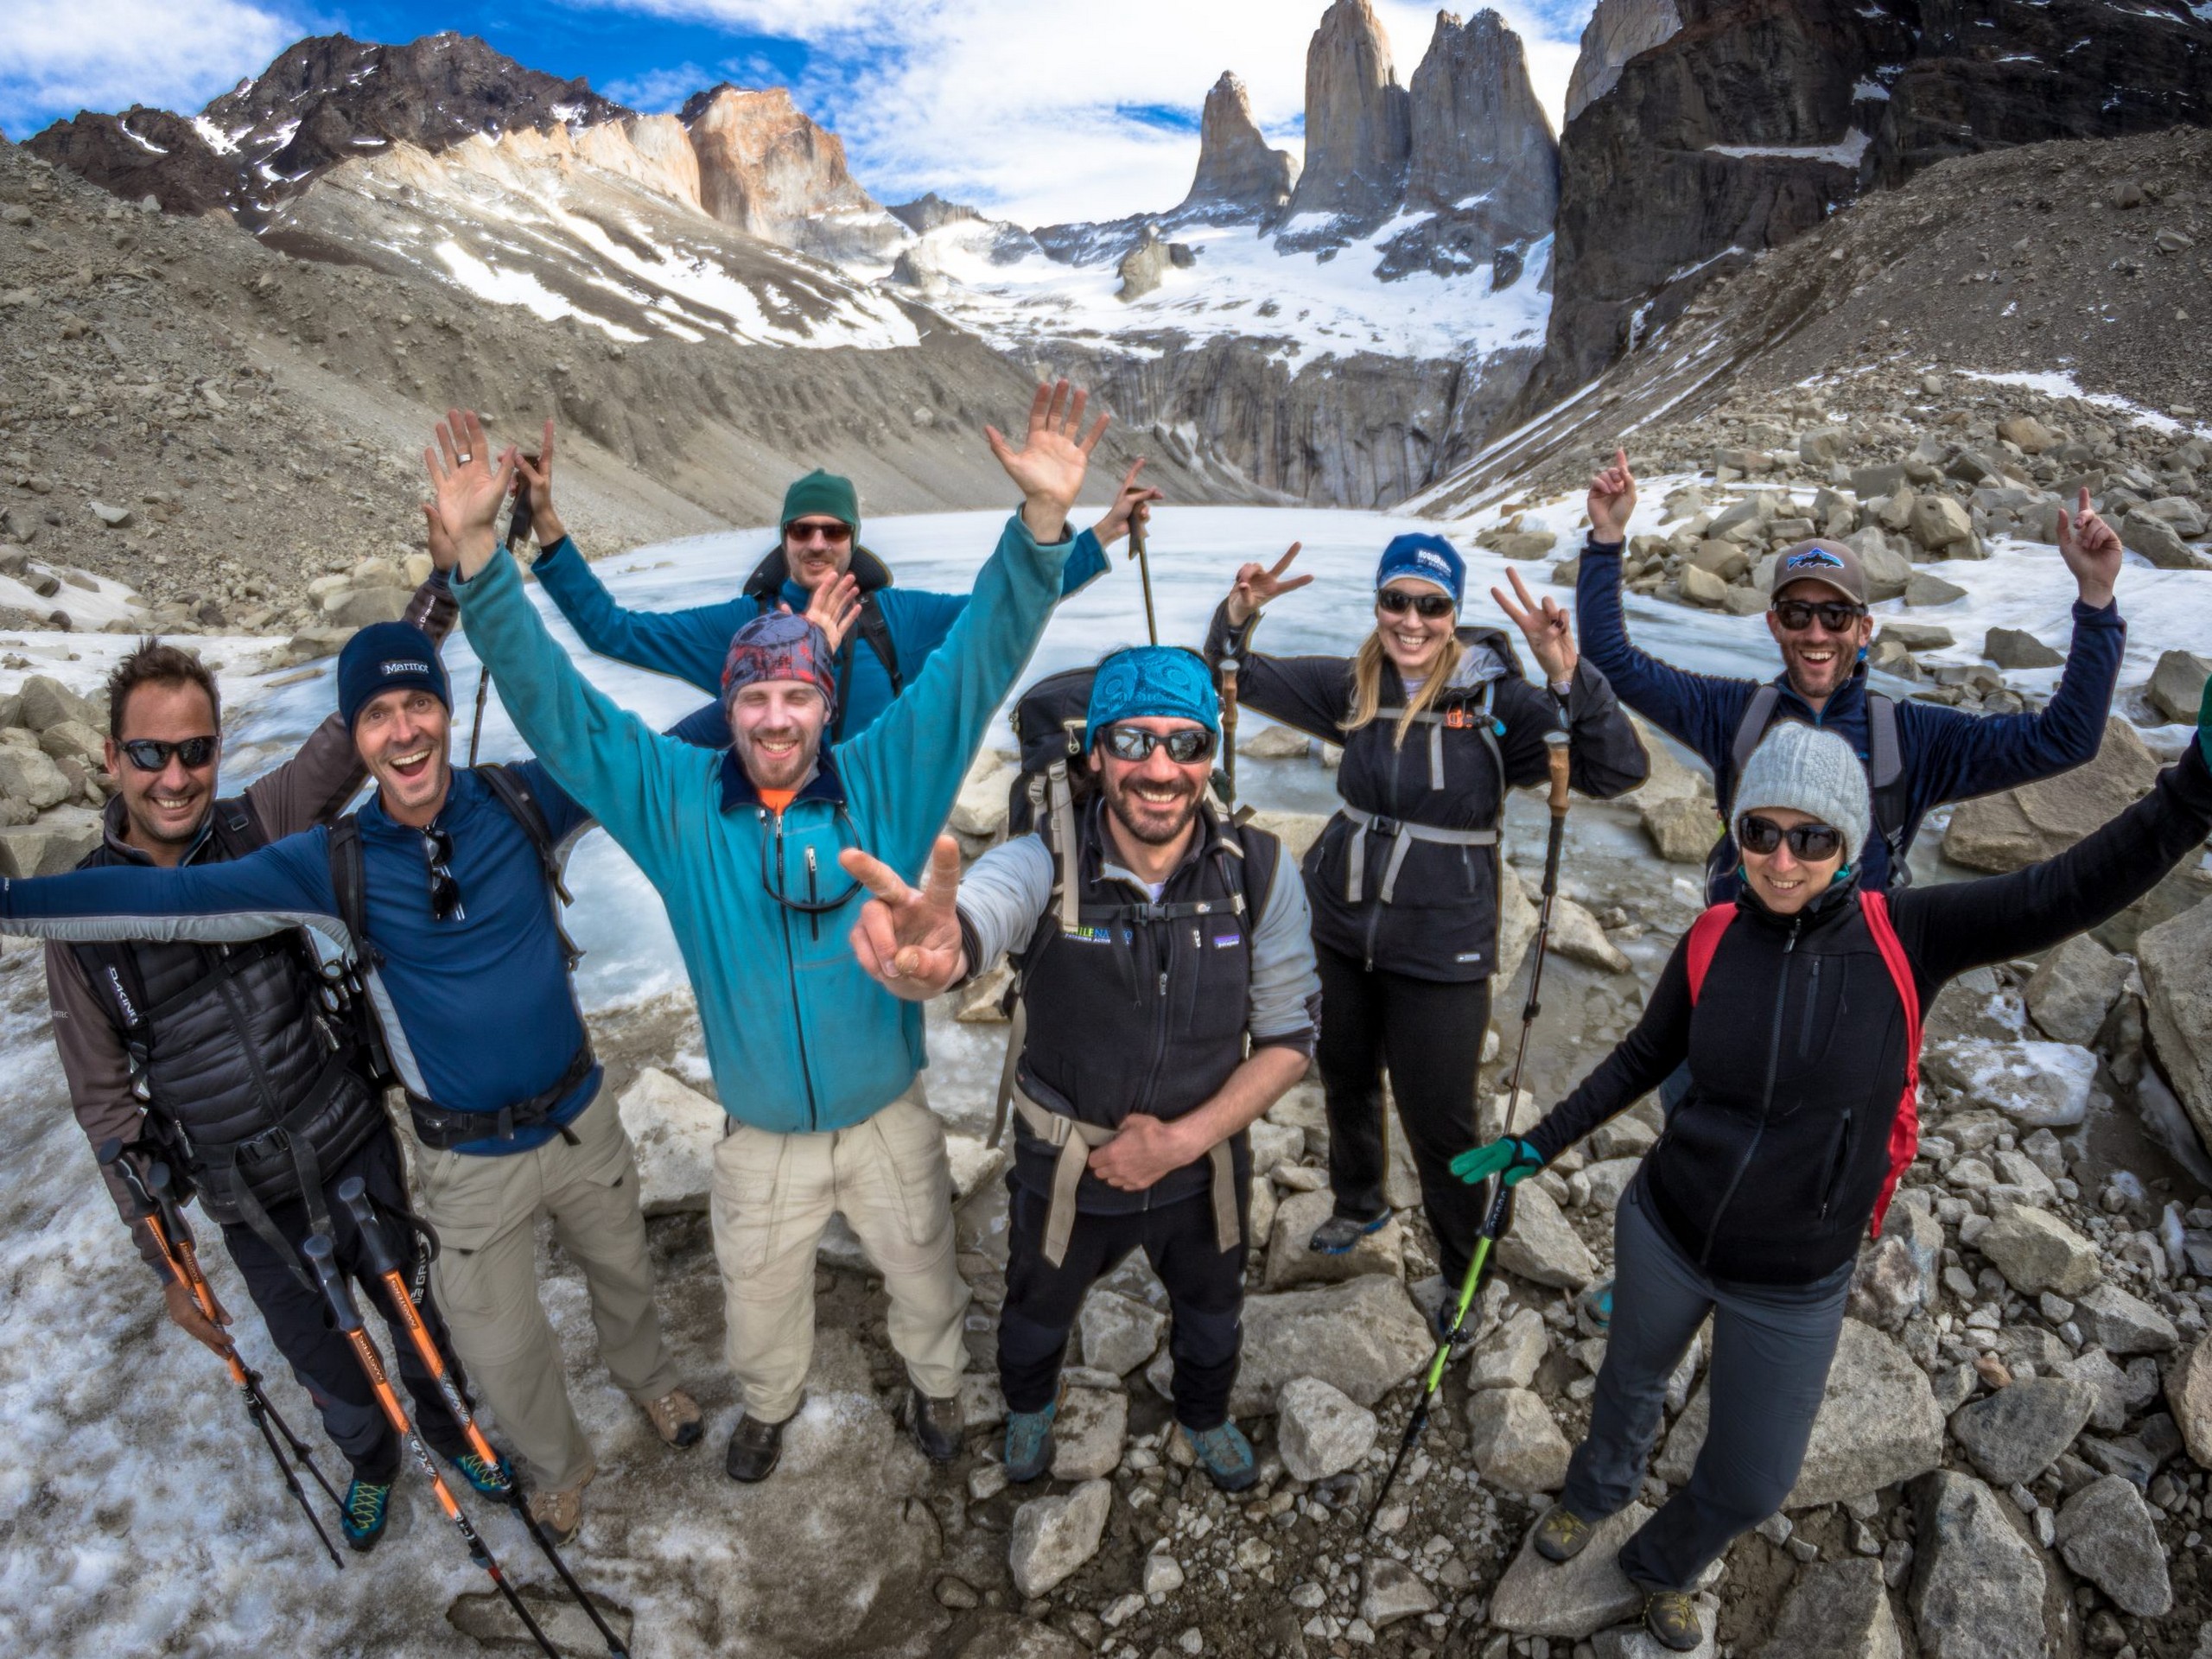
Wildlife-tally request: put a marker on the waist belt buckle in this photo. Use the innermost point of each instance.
(506, 1123)
(267, 1144)
(1385, 826)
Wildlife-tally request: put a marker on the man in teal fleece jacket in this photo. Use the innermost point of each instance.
(819, 1066)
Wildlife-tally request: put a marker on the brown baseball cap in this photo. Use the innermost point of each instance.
(1831, 564)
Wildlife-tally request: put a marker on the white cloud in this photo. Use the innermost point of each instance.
(104, 55)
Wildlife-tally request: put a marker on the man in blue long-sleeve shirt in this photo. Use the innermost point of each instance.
(893, 630)
(1819, 619)
(460, 949)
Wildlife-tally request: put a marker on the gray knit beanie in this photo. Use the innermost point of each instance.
(1800, 767)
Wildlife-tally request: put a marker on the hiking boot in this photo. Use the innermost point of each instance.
(1340, 1234)
(1595, 1307)
(1671, 1617)
(1029, 1442)
(1440, 1323)
(490, 1479)
(1225, 1455)
(755, 1448)
(1561, 1533)
(561, 1514)
(937, 1424)
(676, 1418)
(362, 1516)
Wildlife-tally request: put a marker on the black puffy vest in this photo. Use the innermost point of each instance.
(229, 1042)
(1143, 1008)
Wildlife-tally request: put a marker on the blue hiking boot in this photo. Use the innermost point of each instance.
(1225, 1455)
(367, 1507)
(1595, 1306)
(1340, 1235)
(1029, 1442)
(490, 1479)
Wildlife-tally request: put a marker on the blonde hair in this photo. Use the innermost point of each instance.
(1367, 685)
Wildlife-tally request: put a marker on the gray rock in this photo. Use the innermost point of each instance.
(1917, 636)
(979, 812)
(2177, 1008)
(1609, 1178)
(2016, 827)
(1516, 1444)
(72, 740)
(2014, 1434)
(1576, 935)
(2160, 542)
(2105, 1533)
(2039, 1084)
(1570, 1600)
(1617, 30)
(1001, 1636)
(2123, 1324)
(1363, 1337)
(1682, 830)
(2073, 988)
(1978, 1584)
(2110, 1388)
(1877, 1425)
(1940, 525)
(46, 701)
(1924, 591)
(1390, 1591)
(1896, 1275)
(2188, 1392)
(53, 846)
(1542, 1247)
(1239, 178)
(674, 1129)
(1119, 1332)
(1320, 1430)
(1508, 1357)
(32, 776)
(2014, 648)
(1289, 1261)
(358, 607)
(2038, 1252)
(1088, 1434)
(1634, 1642)
(1054, 1536)
(1837, 1609)
(2178, 684)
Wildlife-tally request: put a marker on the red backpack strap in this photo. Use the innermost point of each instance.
(1904, 1130)
(1704, 940)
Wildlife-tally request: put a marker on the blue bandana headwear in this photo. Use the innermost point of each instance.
(1430, 557)
(1156, 680)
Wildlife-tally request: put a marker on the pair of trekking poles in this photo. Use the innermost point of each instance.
(155, 1195)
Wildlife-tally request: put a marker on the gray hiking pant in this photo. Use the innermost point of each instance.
(1771, 1345)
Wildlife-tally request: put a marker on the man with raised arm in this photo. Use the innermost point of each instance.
(819, 1070)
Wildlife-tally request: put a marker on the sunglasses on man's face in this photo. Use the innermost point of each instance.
(1397, 602)
(1812, 842)
(152, 755)
(832, 535)
(1836, 615)
(1186, 747)
(445, 891)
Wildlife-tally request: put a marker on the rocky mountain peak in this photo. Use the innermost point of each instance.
(768, 168)
(1482, 146)
(1358, 125)
(1239, 178)
(1616, 31)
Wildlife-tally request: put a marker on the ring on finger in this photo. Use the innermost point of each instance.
(465, 457)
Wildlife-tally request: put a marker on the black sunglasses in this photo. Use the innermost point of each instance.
(834, 535)
(1836, 615)
(1186, 745)
(445, 891)
(152, 755)
(1810, 841)
(1397, 602)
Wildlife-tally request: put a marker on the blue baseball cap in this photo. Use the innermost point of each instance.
(1429, 557)
(1141, 681)
(383, 657)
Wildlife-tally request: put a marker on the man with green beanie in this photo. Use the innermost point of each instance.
(893, 630)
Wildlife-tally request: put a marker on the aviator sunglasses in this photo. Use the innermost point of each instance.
(1809, 841)
(152, 754)
(1836, 615)
(445, 891)
(1186, 747)
(1397, 602)
(834, 535)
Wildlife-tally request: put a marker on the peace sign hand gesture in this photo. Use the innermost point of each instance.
(909, 941)
(1258, 583)
(1545, 626)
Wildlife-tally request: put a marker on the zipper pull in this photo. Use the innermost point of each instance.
(1163, 982)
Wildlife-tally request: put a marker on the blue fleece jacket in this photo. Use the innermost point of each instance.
(479, 1010)
(691, 645)
(799, 1037)
(1947, 756)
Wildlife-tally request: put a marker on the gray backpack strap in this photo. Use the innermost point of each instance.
(1749, 730)
(1884, 763)
(1017, 1036)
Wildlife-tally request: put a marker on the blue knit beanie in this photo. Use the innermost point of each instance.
(1141, 681)
(1430, 557)
(383, 657)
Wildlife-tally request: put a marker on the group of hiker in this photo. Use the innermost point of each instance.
(238, 979)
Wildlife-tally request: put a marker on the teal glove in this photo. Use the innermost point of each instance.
(1512, 1158)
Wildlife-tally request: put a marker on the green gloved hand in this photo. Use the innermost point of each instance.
(1512, 1158)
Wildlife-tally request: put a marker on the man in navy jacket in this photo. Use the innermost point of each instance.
(1820, 622)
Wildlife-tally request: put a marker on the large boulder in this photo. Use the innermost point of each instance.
(1290, 1262)
(47, 702)
(2073, 988)
(1877, 1425)
(1320, 1431)
(2016, 1434)
(1089, 1433)
(1978, 1585)
(2178, 684)
(2042, 1085)
(2121, 1323)
(32, 776)
(1054, 1536)
(674, 1129)
(2177, 1000)
(1682, 830)
(53, 846)
(1515, 1442)
(2105, 1533)
(1576, 935)
(1541, 1246)
(2017, 826)
(2160, 542)
(1119, 1332)
(2037, 1252)
(1361, 1338)
(1837, 1609)
(1570, 1600)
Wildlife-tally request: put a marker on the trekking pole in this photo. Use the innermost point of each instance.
(1144, 573)
(1228, 727)
(158, 1212)
(353, 1192)
(1498, 1216)
(476, 726)
(322, 1256)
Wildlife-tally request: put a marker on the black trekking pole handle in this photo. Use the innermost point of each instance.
(322, 1257)
(110, 1157)
(353, 1196)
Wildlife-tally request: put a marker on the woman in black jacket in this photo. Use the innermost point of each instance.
(1804, 1054)
(1436, 723)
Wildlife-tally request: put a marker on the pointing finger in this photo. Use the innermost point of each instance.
(875, 876)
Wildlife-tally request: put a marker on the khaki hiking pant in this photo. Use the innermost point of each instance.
(889, 1178)
(485, 1212)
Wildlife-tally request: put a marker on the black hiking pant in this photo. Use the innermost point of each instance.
(1427, 1034)
(1206, 1297)
(300, 1325)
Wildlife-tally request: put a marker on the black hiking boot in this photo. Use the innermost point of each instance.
(755, 1449)
(937, 1424)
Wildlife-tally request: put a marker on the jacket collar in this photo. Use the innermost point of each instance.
(768, 577)
(115, 820)
(739, 789)
(1830, 906)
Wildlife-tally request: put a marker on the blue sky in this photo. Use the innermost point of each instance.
(1038, 113)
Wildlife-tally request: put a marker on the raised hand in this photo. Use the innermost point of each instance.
(1049, 465)
(467, 488)
(1610, 500)
(443, 554)
(909, 940)
(1132, 506)
(2091, 550)
(1545, 625)
(1256, 584)
(834, 606)
(545, 525)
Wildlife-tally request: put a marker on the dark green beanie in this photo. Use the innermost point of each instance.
(826, 493)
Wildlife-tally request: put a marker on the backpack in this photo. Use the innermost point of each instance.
(1884, 767)
(1904, 1130)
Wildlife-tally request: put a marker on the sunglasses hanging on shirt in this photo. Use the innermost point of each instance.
(1810, 841)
